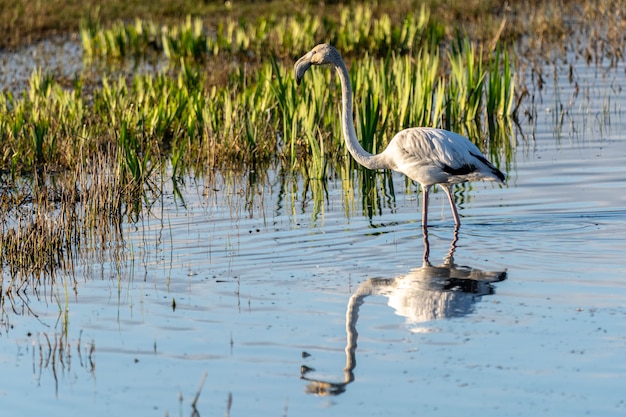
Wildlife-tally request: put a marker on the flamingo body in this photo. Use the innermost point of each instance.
(432, 156)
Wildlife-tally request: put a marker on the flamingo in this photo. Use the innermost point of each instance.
(428, 156)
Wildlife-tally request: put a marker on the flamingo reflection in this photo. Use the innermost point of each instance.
(424, 294)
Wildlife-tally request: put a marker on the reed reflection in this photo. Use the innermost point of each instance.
(424, 294)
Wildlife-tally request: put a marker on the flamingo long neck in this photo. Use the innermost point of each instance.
(354, 147)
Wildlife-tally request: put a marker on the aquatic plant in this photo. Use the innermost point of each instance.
(501, 86)
(465, 93)
(357, 29)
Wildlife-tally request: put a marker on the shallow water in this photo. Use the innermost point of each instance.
(249, 293)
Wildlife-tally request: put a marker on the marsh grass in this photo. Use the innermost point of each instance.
(356, 29)
(465, 93)
(501, 85)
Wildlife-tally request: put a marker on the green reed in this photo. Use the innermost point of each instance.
(465, 94)
(416, 82)
(31, 126)
(186, 40)
(372, 112)
(355, 30)
(358, 30)
(501, 85)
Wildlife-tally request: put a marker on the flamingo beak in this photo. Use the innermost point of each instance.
(301, 66)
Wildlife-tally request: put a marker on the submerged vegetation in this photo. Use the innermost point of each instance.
(79, 158)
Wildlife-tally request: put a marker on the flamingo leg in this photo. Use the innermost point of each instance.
(425, 190)
(425, 260)
(455, 213)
